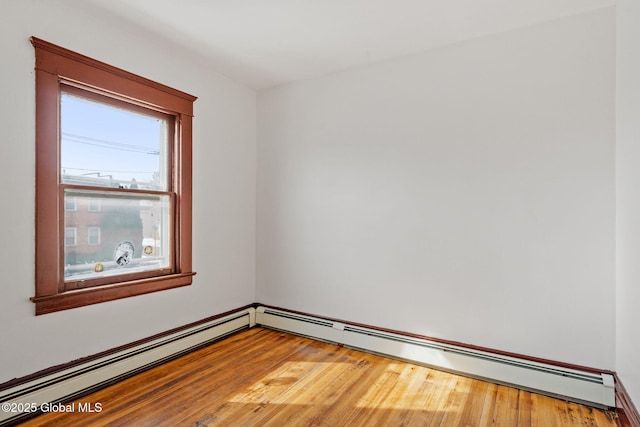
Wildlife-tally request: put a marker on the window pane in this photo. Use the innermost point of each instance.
(127, 235)
(106, 146)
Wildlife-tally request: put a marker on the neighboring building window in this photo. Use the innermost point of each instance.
(119, 146)
(94, 204)
(93, 236)
(70, 236)
(70, 204)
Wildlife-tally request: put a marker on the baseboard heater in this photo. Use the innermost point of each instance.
(71, 383)
(595, 389)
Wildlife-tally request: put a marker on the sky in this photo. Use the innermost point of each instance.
(100, 140)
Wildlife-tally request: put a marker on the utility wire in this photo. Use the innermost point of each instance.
(71, 137)
(105, 170)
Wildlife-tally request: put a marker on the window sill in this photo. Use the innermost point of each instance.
(88, 296)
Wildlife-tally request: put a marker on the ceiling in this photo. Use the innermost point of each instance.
(264, 43)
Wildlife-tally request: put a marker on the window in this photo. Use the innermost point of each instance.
(70, 204)
(94, 204)
(70, 236)
(93, 237)
(113, 150)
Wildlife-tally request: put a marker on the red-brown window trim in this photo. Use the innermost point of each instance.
(56, 65)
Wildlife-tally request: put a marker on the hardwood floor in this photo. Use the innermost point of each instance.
(261, 377)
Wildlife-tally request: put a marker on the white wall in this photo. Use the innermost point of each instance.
(628, 196)
(224, 190)
(466, 193)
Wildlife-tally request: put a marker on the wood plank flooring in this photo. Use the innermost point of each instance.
(262, 377)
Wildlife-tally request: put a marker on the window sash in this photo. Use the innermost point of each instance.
(93, 95)
(77, 192)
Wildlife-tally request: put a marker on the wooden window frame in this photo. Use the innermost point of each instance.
(56, 66)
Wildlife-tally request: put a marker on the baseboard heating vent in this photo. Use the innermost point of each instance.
(596, 389)
(312, 327)
(73, 382)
